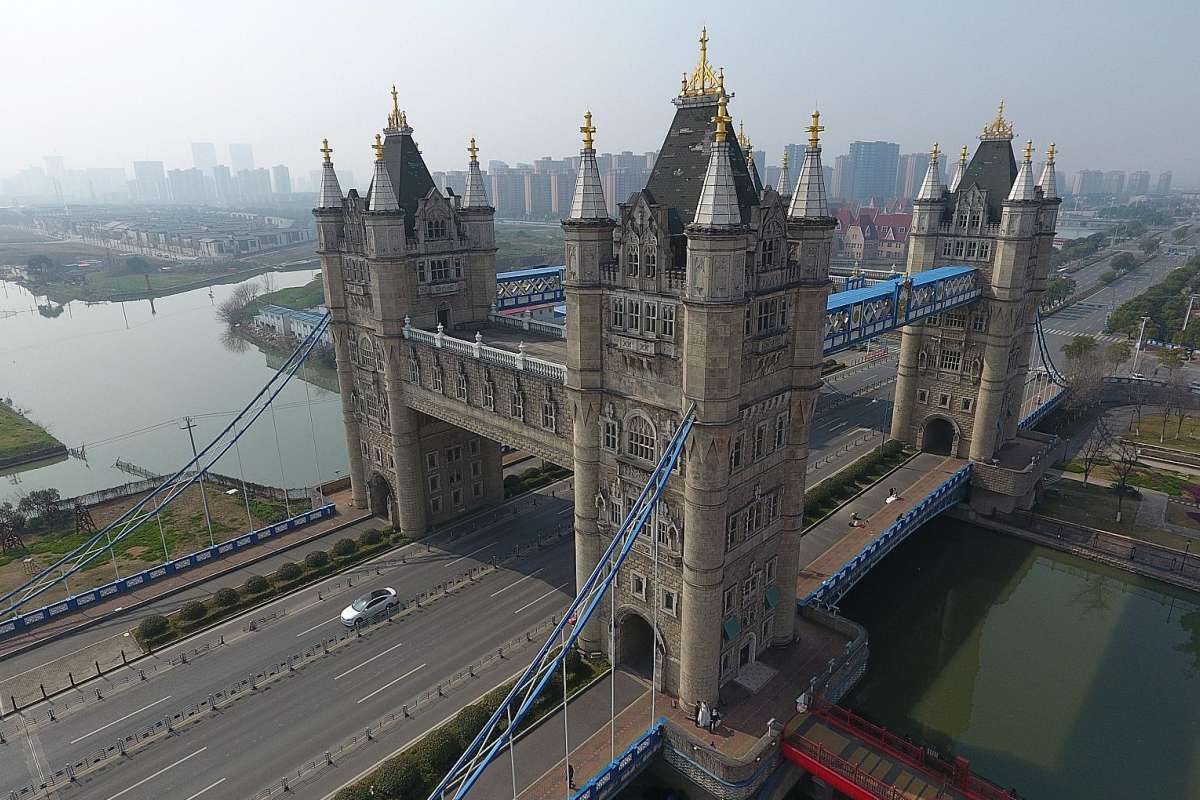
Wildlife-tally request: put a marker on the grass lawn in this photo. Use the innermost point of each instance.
(527, 245)
(1152, 427)
(1096, 507)
(298, 297)
(1175, 484)
(11, 234)
(19, 436)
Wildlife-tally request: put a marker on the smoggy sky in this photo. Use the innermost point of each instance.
(106, 83)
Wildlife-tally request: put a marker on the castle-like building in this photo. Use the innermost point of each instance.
(708, 290)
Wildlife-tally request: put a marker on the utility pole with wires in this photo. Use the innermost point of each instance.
(188, 424)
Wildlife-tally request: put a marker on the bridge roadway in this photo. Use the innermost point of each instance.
(253, 741)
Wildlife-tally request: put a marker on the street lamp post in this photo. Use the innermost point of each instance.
(1188, 315)
(1137, 351)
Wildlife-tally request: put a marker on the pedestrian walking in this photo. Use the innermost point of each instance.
(570, 776)
(696, 716)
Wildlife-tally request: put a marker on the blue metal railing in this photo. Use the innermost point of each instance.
(834, 587)
(44, 614)
(625, 767)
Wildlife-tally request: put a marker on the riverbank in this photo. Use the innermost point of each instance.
(23, 441)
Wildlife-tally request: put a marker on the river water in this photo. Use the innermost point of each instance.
(120, 376)
(1054, 675)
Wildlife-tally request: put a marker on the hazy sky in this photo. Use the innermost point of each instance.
(105, 83)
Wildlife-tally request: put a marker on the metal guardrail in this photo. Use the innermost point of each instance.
(40, 616)
(69, 772)
(614, 777)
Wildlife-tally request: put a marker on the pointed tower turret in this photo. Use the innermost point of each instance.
(330, 195)
(959, 169)
(809, 200)
(784, 184)
(1023, 187)
(718, 206)
(381, 196)
(748, 151)
(588, 201)
(1049, 182)
(931, 187)
(475, 195)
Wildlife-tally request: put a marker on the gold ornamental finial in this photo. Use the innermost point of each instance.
(743, 140)
(934, 153)
(378, 146)
(703, 80)
(814, 131)
(474, 151)
(1050, 153)
(722, 118)
(587, 130)
(326, 151)
(999, 128)
(785, 159)
(1028, 151)
(962, 155)
(395, 100)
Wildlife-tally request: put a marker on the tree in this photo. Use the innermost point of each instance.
(1172, 361)
(239, 307)
(1124, 459)
(1123, 262)
(1150, 245)
(11, 521)
(1181, 232)
(1058, 290)
(1117, 354)
(1094, 448)
(42, 504)
(40, 265)
(1108, 276)
(1084, 371)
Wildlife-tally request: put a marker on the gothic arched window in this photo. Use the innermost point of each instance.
(366, 353)
(639, 438)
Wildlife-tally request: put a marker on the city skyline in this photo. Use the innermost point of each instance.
(552, 84)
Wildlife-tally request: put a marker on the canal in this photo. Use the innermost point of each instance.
(118, 377)
(1057, 676)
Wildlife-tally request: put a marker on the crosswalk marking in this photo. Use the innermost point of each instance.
(1100, 337)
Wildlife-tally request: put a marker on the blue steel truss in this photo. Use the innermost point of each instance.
(549, 659)
(536, 286)
(854, 316)
(102, 542)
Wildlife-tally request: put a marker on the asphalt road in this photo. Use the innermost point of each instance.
(258, 738)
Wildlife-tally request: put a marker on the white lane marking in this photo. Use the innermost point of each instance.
(314, 627)
(122, 719)
(518, 580)
(543, 597)
(369, 660)
(37, 764)
(206, 788)
(386, 685)
(155, 775)
(468, 555)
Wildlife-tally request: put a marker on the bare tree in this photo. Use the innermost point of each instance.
(1124, 454)
(1094, 448)
(1137, 399)
(1085, 370)
(237, 309)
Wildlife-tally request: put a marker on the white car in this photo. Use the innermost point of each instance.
(366, 608)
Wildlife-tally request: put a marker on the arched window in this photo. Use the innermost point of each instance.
(366, 353)
(633, 259)
(652, 258)
(639, 438)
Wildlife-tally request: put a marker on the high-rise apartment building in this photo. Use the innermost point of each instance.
(874, 171)
(149, 182)
(204, 156)
(281, 180)
(241, 158)
(843, 177)
(1088, 182)
(223, 186)
(1114, 182)
(1164, 183)
(1139, 183)
(909, 173)
(254, 185)
(186, 185)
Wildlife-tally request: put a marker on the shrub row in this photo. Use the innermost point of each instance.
(416, 771)
(533, 478)
(838, 488)
(157, 630)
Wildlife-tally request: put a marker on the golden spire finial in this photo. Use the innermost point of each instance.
(378, 146)
(962, 155)
(999, 128)
(721, 80)
(743, 140)
(814, 131)
(1029, 150)
(703, 80)
(934, 153)
(722, 118)
(1050, 153)
(326, 151)
(587, 130)
(785, 159)
(474, 151)
(395, 100)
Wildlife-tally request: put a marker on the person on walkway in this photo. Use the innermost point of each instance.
(893, 496)
(570, 776)
(856, 520)
(715, 722)
(696, 717)
(705, 715)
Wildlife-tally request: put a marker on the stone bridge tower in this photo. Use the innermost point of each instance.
(406, 255)
(962, 374)
(709, 290)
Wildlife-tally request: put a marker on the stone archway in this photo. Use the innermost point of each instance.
(939, 436)
(636, 647)
(381, 497)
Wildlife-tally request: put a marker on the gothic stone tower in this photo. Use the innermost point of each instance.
(709, 291)
(405, 253)
(962, 374)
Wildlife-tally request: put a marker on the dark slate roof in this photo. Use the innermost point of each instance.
(993, 169)
(755, 180)
(682, 161)
(410, 177)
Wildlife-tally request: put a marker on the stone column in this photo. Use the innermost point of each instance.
(345, 372)
(585, 440)
(908, 377)
(406, 448)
